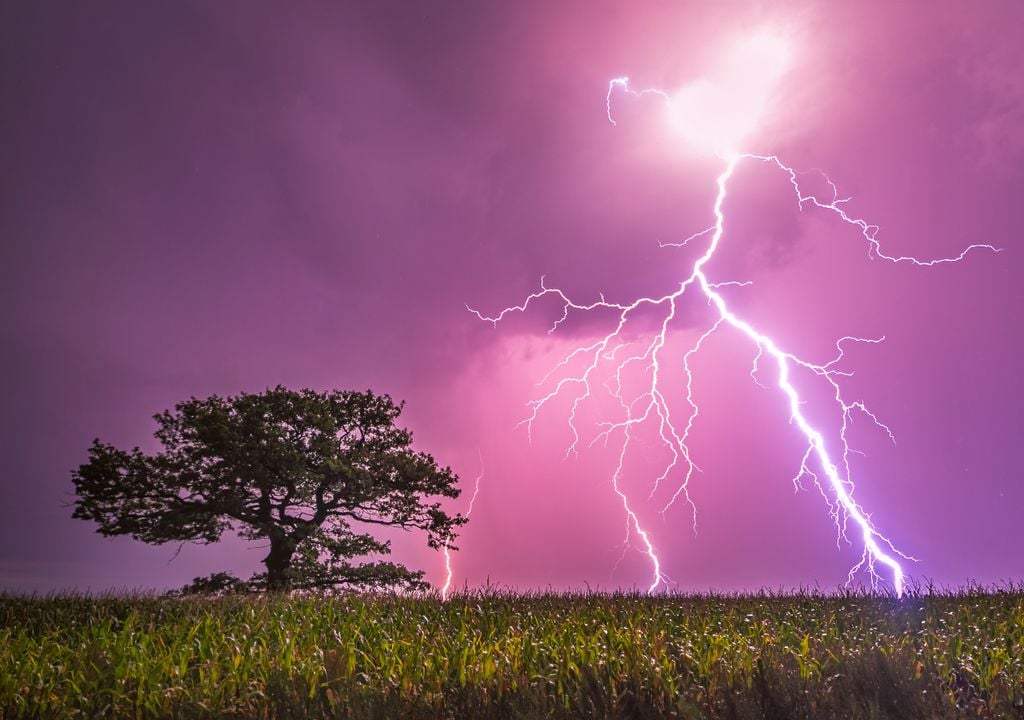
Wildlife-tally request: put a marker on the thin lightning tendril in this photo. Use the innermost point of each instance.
(830, 473)
(446, 549)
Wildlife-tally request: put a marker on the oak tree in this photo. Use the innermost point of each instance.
(307, 473)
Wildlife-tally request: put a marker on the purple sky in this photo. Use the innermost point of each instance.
(221, 197)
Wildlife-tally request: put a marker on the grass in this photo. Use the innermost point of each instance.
(502, 655)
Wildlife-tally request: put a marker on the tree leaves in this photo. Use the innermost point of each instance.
(301, 469)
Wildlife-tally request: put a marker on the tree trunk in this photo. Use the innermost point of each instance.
(278, 561)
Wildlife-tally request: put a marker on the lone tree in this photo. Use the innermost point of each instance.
(306, 472)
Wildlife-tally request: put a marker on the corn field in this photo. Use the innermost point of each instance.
(504, 655)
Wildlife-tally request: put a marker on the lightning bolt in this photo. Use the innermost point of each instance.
(825, 460)
(447, 549)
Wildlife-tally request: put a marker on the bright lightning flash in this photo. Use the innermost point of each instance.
(715, 117)
(446, 549)
(716, 112)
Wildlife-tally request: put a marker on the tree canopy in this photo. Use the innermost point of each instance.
(308, 473)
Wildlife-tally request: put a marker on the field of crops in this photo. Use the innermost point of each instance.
(508, 656)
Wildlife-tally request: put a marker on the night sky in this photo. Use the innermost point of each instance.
(203, 198)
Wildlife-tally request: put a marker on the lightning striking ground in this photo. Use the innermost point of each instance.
(446, 549)
(825, 460)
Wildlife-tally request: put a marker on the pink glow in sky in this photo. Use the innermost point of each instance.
(218, 198)
(716, 112)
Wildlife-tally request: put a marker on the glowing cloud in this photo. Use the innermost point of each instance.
(716, 113)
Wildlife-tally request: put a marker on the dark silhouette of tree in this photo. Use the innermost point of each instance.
(307, 472)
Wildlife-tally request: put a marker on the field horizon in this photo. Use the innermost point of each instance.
(815, 654)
